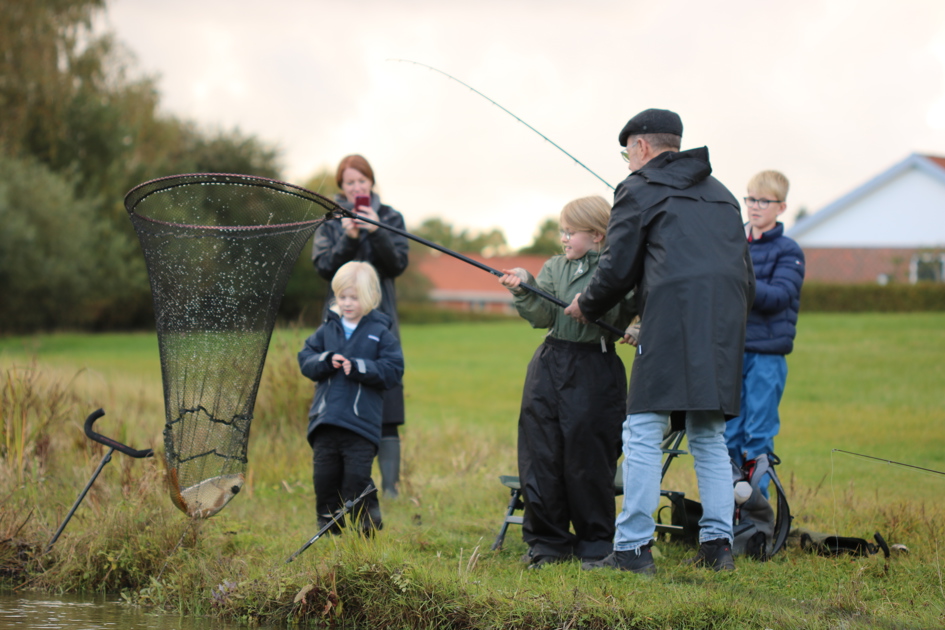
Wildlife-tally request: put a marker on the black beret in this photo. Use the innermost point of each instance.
(652, 121)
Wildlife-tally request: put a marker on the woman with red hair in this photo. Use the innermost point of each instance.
(338, 243)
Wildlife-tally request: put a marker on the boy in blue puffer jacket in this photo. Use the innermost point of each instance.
(779, 274)
(353, 357)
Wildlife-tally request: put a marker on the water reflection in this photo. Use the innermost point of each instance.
(37, 611)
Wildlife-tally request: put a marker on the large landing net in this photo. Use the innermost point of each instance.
(219, 250)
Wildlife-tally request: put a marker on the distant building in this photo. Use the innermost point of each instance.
(890, 229)
(460, 286)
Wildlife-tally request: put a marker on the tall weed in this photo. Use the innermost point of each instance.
(30, 405)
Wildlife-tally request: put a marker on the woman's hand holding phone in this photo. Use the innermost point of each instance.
(362, 206)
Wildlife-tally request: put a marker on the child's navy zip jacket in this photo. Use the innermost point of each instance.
(354, 401)
(779, 274)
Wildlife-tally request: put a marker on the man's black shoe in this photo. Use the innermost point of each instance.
(637, 560)
(715, 554)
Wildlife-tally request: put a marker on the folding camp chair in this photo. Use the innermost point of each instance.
(671, 450)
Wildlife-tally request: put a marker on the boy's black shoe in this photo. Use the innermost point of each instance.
(715, 554)
(526, 557)
(638, 561)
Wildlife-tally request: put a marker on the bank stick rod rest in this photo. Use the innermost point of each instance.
(113, 446)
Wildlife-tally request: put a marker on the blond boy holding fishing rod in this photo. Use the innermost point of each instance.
(573, 400)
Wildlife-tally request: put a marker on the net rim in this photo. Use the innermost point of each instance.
(142, 191)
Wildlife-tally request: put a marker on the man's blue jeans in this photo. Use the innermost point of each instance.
(642, 436)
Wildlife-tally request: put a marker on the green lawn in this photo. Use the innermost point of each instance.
(869, 384)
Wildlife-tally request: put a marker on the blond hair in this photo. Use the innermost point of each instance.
(591, 214)
(362, 277)
(772, 183)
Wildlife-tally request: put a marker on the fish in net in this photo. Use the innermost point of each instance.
(219, 250)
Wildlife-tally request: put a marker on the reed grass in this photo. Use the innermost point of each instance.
(867, 384)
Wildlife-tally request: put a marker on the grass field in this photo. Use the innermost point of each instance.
(866, 384)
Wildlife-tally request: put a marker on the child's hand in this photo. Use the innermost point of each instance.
(513, 278)
(339, 361)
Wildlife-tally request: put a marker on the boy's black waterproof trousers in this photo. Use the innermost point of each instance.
(569, 441)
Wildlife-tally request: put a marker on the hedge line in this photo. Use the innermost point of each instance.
(430, 313)
(863, 298)
(815, 297)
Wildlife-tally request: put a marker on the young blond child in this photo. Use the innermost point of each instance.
(574, 400)
(769, 335)
(353, 357)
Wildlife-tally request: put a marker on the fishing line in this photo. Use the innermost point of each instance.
(889, 461)
(554, 144)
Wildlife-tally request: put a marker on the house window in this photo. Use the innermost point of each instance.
(927, 268)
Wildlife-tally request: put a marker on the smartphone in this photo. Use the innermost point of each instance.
(362, 200)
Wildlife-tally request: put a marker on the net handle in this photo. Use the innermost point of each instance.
(342, 212)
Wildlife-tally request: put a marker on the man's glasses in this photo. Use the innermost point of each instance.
(761, 203)
(625, 154)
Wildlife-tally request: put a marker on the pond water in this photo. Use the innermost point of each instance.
(37, 611)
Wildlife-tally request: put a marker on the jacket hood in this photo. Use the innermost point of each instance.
(374, 316)
(679, 170)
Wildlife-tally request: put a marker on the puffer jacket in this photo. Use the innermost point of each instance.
(779, 274)
(352, 401)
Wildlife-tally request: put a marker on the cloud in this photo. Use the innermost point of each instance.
(829, 91)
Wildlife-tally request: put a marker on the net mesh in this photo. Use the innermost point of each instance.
(219, 250)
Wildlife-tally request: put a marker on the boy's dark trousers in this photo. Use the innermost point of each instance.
(341, 462)
(569, 440)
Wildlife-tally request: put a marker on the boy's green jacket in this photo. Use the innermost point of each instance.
(564, 279)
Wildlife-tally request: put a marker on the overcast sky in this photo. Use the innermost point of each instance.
(831, 92)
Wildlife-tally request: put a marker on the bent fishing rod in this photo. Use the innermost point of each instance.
(475, 263)
(546, 138)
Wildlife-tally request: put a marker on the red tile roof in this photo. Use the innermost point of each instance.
(453, 278)
(934, 158)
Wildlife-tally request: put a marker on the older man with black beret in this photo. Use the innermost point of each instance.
(676, 236)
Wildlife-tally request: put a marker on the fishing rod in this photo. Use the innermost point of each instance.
(449, 76)
(475, 263)
(889, 461)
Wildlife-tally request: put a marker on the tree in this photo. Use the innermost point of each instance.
(547, 240)
(69, 106)
(230, 152)
(442, 233)
(323, 183)
(48, 274)
(42, 65)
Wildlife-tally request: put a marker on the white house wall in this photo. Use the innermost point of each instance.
(907, 211)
